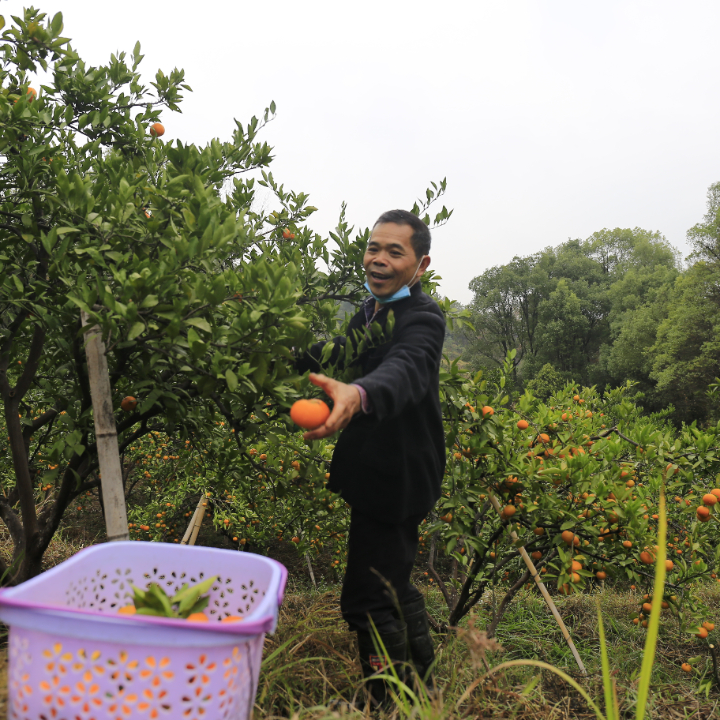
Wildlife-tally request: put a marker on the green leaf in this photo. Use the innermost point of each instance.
(149, 301)
(137, 329)
(232, 380)
(56, 24)
(157, 592)
(608, 684)
(188, 600)
(199, 323)
(205, 585)
(654, 624)
(200, 605)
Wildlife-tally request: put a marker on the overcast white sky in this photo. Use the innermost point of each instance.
(550, 119)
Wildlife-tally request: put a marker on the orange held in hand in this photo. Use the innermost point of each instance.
(157, 129)
(309, 414)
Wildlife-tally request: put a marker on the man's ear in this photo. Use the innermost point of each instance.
(423, 265)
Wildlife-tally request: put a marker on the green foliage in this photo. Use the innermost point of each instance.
(187, 600)
(687, 347)
(566, 306)
(201, 297)
(546, 383)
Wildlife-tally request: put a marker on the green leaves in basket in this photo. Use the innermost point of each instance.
(186, 601)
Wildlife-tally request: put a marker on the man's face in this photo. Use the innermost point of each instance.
(390, 261)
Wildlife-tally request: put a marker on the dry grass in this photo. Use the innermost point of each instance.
(312, 659)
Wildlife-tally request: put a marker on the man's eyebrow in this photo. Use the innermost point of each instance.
(391, 246)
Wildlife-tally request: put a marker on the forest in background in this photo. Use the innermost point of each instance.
(620, 306)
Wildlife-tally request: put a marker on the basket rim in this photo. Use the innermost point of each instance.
(263, 622)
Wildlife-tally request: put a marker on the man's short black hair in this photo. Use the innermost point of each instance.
(420, 238)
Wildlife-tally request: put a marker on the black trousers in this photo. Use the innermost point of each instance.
(378, 553)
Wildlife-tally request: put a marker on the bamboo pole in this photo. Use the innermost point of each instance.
(541, 586)
(193, 528)
(111, 480)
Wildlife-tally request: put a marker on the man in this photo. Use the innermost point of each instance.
(389, 460)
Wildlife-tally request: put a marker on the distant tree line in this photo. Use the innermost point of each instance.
(616, 307)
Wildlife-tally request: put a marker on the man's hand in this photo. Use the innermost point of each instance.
(346, 402)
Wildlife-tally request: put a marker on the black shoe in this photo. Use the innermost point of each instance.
(420, 644)
(373, 661)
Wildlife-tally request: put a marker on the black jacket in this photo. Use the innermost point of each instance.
(389, 463)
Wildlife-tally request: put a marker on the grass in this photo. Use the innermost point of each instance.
(312, 657)
(316, 659)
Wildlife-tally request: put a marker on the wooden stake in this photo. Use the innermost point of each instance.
(193, 528)
(310, 568)
(111, 480)
(541, 585)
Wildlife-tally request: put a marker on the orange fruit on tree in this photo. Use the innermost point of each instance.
(716, 492)
(568, 537)
(296, 540)
(539, 530)
(646, 558)
(198, 617)
(487, 410)
(537, 555)
(601, 575)
(522, 424)
(157, 129)
(702, 633)
(447, 517)
(509, 511)
(309, 413)
(129, 403)
(669, 565)
(709, 499)
(576, 566)
(702, 513)
(32, 92)
(686, 667)
(708, 626)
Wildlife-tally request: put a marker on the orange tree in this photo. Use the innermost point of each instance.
(269, 489)
(578, 479)
(200, 297)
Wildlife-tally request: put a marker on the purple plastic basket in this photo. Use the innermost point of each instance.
(73, 657)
